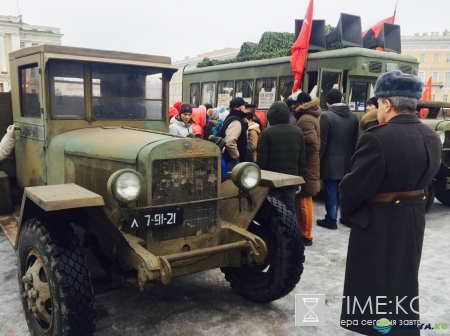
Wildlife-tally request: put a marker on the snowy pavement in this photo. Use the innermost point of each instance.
(204, 304)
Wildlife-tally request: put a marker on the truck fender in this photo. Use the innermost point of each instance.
(229, 208)
(44, 200)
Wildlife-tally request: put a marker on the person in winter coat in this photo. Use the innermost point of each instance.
(234, 131)
(8, 142)
(253, 133)
(307, 112)
(383, 197)
(182, 123)
(369, 119)
(213, 115)
(281, 149)
(338, 135)
(223, 112)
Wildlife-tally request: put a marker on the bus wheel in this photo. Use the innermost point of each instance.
(54, 281)
(282, 269)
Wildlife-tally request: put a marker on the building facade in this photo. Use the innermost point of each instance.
(176, 84)
(14, 35)
(432, 50)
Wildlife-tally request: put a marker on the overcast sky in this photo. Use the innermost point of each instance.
(179, 28)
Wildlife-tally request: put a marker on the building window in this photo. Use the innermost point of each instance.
(445, 98)
(434, 76)
(448, 58)
(447, 78)
(422, 58)
(436, 58)
(421, 75)
(22, 45)
(433, 97)
(34, 44)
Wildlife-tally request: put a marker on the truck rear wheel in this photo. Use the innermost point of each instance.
(283, 267)
(443, 196)
(54, 281)
(431, 191)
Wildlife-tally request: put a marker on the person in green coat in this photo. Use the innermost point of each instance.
(281, 149)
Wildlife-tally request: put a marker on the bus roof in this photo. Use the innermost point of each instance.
(338, 53)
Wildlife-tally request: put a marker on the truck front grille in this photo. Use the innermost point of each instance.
(185, 180)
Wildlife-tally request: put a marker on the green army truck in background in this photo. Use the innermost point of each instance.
(104, 197)
(437, 116)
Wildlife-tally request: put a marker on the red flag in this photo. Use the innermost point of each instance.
(426, 96)
(299, 49)
(427, 91)
(377, 28)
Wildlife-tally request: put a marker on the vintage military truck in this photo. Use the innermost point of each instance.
(437, 116)
(110, 199)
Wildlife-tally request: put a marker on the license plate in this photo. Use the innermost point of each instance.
(153, 219)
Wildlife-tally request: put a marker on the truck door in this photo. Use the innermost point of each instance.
(28, 112)
(328, 79)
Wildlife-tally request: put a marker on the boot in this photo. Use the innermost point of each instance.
(326, 223)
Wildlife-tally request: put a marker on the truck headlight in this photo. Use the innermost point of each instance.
(442, 136)
(125, 185)
(246, 175)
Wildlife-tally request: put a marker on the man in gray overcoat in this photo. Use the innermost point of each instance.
(384, 199)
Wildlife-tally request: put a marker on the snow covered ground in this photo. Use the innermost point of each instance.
(204, 304)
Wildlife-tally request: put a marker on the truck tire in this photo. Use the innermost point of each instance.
(54, 281)
(282, 270)
(431, 191)
(443, 196)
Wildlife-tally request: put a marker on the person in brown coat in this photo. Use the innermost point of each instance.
(253, 133)
(384, 199)
(8, 142)
(370, 119)
(307, 112)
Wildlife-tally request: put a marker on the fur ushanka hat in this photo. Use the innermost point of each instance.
(397, 84)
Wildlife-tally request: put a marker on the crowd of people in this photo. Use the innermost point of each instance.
(295, 143)
(380, 178)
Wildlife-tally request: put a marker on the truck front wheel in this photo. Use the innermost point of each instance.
(283, 267)
(55, 286)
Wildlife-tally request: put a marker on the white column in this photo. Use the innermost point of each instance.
(15, 41)
(2, 53)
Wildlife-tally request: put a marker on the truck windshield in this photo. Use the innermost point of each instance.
(116, 91)
(126, 92)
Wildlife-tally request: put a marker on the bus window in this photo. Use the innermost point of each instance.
(224, 92)
(195, 94)
(285, 87)
(329, 80)
(312, 82)
(357, 97)
(265, 92)
(244, 89)
(209, 93)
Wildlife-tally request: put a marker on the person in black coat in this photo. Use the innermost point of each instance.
(281, 149)
(383, 197)
(338, 137)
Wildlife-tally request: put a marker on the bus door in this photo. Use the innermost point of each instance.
(328, 79)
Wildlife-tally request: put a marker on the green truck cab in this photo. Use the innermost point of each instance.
(103, 197)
